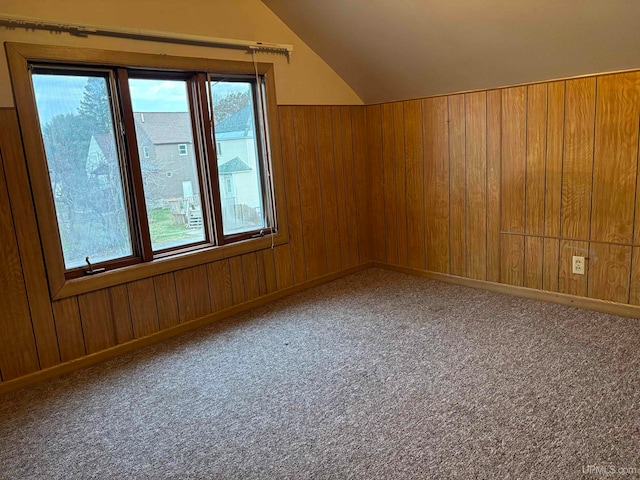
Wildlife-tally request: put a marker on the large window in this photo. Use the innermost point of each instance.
(131, 156)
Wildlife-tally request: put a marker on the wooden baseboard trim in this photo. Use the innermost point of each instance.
(597, 305)
(79, 363)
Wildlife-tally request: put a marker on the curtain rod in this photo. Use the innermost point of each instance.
(84, 30)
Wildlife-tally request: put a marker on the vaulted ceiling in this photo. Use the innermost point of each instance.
(392, 50)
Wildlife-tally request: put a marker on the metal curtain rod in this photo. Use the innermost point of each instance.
(84, 30)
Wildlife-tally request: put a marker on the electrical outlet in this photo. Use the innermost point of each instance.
(578, 265)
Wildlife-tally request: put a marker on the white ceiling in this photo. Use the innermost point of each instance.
(392, 50)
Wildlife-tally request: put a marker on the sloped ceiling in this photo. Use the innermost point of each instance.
(395, 50)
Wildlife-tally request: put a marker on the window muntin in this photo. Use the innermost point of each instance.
(235, 112)
(131, 154)
(85, 172)
(162, 116)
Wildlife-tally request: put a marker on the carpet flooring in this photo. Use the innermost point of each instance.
(376, 375)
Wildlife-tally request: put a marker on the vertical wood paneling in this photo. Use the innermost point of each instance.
(435, 113)
(609, 270)
(326, 165)
(250, 276)
(494, 161)
(237, 280)
(69, 329)
(476, 184)
(26, 233)
(569, 282)
(121, 314)
(144, 312)
(533, 258)
(374, 151)
(18, 354)
(220, 285)
(97, 321)
(514, 153)
(309, 181)
(457, 180)
(192, 289)
(389, 182)
(415, 179)
(536, 159)
(551, 271)
(270, 281)
(615, 158)
(166, 300)
(362, 180)
(294, 217)
(553, 171)
(578, 157)
(512, 259)
(284, 273)
(349, 189)
(634, 288)
(401, 182)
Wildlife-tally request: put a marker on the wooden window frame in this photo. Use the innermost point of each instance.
(21, 56)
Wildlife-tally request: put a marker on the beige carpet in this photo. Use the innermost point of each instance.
(378, 375)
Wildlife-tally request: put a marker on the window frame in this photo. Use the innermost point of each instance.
(186, 150)
(61, 285)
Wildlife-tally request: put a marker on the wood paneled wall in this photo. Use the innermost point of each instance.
(507, 185)
(324, 152)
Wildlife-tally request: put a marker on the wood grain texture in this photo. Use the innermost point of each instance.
(415, 179)
(121, 314)
(615, 159)
(250, 276)
(494, 164)
(351, 234)
(570, 283)
(289, 159)
(97, 320)
(512, 259)
(166, 300)
(435, 113)
(284, 272)
(609, 272)
(69, 329)
(192, 290)
(144, 310)
(237, 280)
(401, 182)
(18, 353)
(309, 181)
(220, 285)
(389, 184)
(476, 184)
(553, 170)
(634, 287)
(326, 166)
(536, 158)
(362, 184)
(578, 158)
(270, 276)
(551, 265)
(533, 262)
(457, 181)
(374, 152)
(513, 166)
(26, 231)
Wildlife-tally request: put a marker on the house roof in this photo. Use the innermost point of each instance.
(240, 123)
(235, 165)
(165, 127)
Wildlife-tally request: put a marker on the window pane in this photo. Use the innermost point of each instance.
(169, 169)
(82, 156)
(238, 158)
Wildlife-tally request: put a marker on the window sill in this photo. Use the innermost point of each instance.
(170, 264)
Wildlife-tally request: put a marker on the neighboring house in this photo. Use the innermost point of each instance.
(165, 148)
